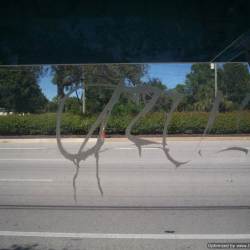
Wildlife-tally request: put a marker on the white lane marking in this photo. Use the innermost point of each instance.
(126, 236)
(136, 148)
(32, 159)
(23, 148)
(26, 180)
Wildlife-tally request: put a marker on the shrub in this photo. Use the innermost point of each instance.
(153, 123)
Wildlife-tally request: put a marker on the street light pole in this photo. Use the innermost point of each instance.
(83, 100)
(83, 95)
(214, 66)
(215, 80)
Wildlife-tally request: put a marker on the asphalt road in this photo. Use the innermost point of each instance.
(148, 203)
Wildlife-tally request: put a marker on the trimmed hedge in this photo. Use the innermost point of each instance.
(182, 122)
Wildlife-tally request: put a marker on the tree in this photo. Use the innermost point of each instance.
(52, 105)
(182, 89)
(163, 102)
(234, 82)
(110, 74)
(199, 87)
(72, 105)
(19, 90)
(66, 77)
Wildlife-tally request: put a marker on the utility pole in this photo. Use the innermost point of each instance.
(83, 96)
(214, 66)
(83, 100)
(215, 80)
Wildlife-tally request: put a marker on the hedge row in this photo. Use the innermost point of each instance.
(182, 122)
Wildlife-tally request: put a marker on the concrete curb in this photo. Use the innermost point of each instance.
(123, 139)
(43, 140)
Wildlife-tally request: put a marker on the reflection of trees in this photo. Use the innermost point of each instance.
(233, 82)
(19, 89)
(67, 77)
(153, 94)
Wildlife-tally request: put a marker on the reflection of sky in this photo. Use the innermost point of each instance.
(170, 74)
(48, 88)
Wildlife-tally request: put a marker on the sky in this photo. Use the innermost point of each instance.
(170, 74)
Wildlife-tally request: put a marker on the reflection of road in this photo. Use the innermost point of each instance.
(36, 174)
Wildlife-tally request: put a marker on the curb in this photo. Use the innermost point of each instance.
(124, 139)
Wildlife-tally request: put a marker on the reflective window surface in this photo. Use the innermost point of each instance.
(175, 134)
(127, 136)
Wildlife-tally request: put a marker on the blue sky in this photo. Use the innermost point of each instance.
(169, 73)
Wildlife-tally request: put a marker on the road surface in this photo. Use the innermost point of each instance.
(148, 203)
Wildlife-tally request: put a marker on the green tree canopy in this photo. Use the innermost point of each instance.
(234, 81)
(163, 102)
(66, 77)
(19, 90)
(199, 87)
